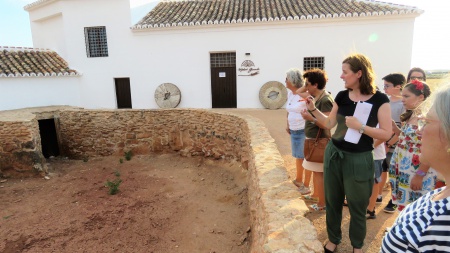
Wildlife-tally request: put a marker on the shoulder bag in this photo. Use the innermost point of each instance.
(315, 148)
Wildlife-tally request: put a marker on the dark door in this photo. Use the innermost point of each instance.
(223, 87)
(123, 92)
(223, 80)
(49, 139)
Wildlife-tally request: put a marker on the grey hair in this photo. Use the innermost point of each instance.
(295, 77)
(442, 107)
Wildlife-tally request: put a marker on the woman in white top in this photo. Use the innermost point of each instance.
(296, 127)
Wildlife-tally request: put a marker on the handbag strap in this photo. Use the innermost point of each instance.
(318, 134)
(315, 143)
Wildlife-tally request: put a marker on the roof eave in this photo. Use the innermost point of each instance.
(38, 4)
(325, 18)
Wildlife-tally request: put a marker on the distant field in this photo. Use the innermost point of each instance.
(434, 83)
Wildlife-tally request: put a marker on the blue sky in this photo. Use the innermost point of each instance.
(430, 45)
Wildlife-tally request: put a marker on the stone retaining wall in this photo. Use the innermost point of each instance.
(277, 214)
(20, 149)
(87, 133)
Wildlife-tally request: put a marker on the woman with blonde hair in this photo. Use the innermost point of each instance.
(348, 162)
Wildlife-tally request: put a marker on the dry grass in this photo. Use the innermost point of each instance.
(435, 83)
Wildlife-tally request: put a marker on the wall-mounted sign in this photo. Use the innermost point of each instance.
(248, 69)
(222, 74)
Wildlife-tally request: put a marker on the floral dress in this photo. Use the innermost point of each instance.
(404, 164)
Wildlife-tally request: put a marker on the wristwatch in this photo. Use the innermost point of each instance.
(361, 130)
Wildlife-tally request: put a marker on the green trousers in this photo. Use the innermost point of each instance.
(347, 175)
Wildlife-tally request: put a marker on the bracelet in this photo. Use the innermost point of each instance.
(390, 138)
(313, 110)
(421, 173)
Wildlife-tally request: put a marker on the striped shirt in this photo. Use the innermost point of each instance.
(423, 226)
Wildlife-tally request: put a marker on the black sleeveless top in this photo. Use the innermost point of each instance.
(347, 108)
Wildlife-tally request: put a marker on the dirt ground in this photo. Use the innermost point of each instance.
(165, 203)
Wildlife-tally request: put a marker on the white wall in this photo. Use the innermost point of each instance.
(24, 92)
(181, 55)
(47, 27)
(98, 73)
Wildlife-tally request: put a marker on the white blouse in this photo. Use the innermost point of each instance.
(295, 104)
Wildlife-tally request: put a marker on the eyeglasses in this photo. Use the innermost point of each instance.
(387, 86)
(420, 78)
(422, 122)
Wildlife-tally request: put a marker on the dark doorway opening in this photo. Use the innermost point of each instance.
(123, 93)
(49, 139)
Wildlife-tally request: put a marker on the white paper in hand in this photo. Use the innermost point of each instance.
(362, 112)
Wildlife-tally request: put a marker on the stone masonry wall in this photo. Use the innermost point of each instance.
(278, 221)
(277, 214)
(20, 149)
(86, 133)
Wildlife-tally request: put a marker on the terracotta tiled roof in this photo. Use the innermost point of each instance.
(207, 12)
(28, 62)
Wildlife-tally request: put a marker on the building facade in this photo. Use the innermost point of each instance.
(217, 53)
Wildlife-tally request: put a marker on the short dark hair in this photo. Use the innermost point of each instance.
(395, 78)
(416, 69)
(317, 76)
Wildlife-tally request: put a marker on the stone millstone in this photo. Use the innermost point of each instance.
(273, 95)
(167, 95)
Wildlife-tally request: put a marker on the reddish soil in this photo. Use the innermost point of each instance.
(166, 203)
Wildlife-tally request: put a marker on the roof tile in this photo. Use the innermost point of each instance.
(25, 62)
(201, 12)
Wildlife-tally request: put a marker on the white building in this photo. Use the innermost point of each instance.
(218, 53)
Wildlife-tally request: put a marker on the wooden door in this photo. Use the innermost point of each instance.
(123, 92)
(223, 87)
(223, 80)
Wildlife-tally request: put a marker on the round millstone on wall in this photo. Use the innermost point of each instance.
(273, 95)
(167, 95)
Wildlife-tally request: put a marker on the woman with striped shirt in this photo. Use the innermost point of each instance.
(424, 226)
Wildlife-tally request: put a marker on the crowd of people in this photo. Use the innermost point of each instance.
(377, 137)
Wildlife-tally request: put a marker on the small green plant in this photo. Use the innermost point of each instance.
(120, 160)
(113, 186)
(128, 155)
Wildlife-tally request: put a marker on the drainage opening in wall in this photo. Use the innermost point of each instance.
(49, 138)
